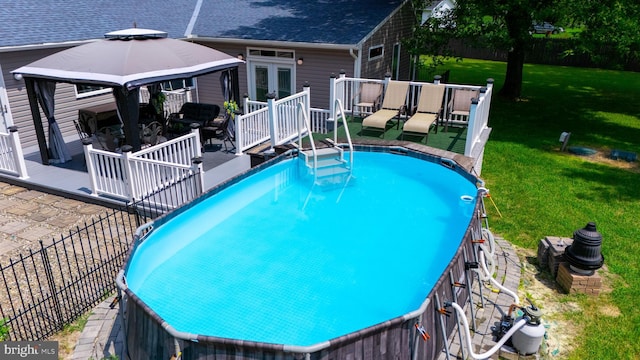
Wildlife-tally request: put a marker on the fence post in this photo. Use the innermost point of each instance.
(307, 106)
(245, 104)
(239, 123)
(436, 79)
(87, 146)
(18, 156)
(196, 168)
(273, 121)
(471, 128)
(57, 309)
(195, 129)
(128, 180)
(332, 97)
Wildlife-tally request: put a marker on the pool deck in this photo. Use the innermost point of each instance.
(103, 335)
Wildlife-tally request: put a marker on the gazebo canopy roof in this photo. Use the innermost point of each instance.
(129, 58)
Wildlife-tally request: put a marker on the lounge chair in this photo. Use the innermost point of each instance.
(427, 112)
(368, 97)
(458, 108)
(393, 105)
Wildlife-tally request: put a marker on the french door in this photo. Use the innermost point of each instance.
(271, 78)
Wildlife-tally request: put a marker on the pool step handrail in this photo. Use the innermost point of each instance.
(330, 156)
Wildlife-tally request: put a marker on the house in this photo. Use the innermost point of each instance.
(285, 45)
(437, 9)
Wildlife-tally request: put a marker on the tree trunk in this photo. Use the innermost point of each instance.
(512, 88)
(518, 21)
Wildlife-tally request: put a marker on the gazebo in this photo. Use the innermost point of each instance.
(125, 60)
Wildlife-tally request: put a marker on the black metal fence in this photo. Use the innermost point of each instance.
(50, 287)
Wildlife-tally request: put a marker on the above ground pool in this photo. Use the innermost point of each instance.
(292, 258)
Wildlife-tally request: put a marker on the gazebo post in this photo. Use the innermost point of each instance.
(37, 120)
(128, 102)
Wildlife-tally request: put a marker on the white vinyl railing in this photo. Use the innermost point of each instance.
(277, 122)
(11, 155)
(346, 89)
(133, 176)
(478, 126)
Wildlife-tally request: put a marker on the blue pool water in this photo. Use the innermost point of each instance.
(275, 259)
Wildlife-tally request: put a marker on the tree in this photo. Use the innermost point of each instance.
(506, 25)
(613, 25)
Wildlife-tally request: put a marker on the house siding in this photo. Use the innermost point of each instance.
(395, 30)
(318, 66)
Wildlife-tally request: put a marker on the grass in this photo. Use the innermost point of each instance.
(541, 191)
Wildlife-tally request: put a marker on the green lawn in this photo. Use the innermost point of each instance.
(541, 191)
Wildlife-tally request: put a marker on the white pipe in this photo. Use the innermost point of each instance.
(495, 347)
(492, 242)
(488, 273)
(495, 282)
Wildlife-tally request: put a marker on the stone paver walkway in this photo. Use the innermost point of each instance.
(102, 337)
(489, 315)
(29, 216)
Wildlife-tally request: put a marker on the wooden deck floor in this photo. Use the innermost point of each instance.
(71, 178)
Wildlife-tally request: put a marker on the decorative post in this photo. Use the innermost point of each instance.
(239, 123)
(128, 180)
(332, 98)
(436, 79)
(18, 156)
(471, 131)
(87, 146)
(387, 78)
(196, 167)
(273, 121)
(306, 88)
(195, 129)
(245, 103)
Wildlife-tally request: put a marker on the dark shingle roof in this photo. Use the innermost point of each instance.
(28, 22)
(324, 21)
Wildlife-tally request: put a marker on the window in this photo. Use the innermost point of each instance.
(177, 84)
(395, 62)
(376, 52)
(85, 90)
(279, 54)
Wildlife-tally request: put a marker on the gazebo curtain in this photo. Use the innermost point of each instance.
(128, 105)
(45, 92)
(227, 81)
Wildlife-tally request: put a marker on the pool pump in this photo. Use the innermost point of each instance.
(528, 338)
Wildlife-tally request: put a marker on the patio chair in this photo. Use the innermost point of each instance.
(393, 105)
(107, 138)
(203, 114)
(368, 97)
(427, 112)
(458, 108)
(82, 134)
(152, 134)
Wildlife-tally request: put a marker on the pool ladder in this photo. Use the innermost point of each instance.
(331, 157)
(330, 168)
